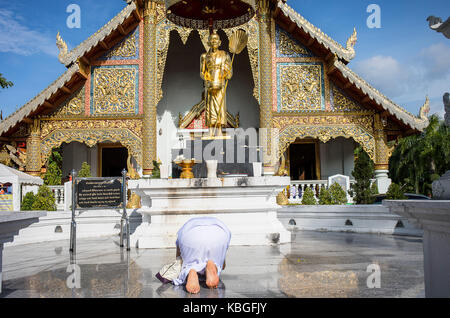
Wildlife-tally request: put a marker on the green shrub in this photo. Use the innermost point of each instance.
(85, 171)
(363, 173)
(374, 189)
(156, 173)
(395, 192)
(53, 175)
(308, 197)
(27, 202)
(325, 197)
(338, 195)
(44, 200)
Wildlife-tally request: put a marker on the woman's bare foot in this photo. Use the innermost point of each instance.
(192, 285)
(212, 279)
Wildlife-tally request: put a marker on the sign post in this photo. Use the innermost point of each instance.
(98, 194)
(73, 224)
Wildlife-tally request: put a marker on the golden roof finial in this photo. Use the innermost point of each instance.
(62, 46)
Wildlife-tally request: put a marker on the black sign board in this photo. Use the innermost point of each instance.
(99, 193)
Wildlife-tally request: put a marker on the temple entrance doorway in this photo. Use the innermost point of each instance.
(304, 161)
(112, 160)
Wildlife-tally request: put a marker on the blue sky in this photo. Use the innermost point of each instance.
(404, 59)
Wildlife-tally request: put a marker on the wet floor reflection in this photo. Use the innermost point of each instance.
(314, 265)
(77, 280)
(326, 283)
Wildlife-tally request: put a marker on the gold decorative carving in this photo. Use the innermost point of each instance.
(282, 198)
(33, 159)
(290, 47)
(363, 119)
(126, 49)
(326, 126)
(343, 103)
(266, 38)
(383, 151)
(301, 87)
(251, 28)
(282, 171)
(73, 106)
(90, 132)
(114, 91)
(196, 112)
(132, 173)
(49, 126)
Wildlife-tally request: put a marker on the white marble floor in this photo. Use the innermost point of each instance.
(315, 264)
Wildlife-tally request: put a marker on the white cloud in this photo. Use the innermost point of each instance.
(386, 74)
(15, 37)
(436, 60)
(427, 74)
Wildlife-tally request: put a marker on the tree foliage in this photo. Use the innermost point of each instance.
(27, 202)
(5, 83)
(395, 192)
(85, 171)
(156, 173)
(418, 160)
(44, 200)
(53, 175)
(363, 172)
(308, 197)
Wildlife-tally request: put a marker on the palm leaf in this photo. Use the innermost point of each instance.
(238, 41)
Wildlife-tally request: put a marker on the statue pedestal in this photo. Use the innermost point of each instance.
(382, 180)
(246, 205)
(441, 187)
(434, 217)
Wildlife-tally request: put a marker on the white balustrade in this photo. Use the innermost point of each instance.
(58, 192)
(297, 188)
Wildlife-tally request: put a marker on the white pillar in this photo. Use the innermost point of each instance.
(1, 266)
(382, 180)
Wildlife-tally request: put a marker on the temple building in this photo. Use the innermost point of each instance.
(133, 84)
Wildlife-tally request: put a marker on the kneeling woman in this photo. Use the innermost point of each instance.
(202, 244)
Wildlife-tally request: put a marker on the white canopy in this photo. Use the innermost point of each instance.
(11, 175)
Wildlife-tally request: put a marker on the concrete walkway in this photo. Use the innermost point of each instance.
(316, 264)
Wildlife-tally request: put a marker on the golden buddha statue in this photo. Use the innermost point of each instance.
(215, 69)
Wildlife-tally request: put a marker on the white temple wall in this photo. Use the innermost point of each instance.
(337, 157)
(182, 89)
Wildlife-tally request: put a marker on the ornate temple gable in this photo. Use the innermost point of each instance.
(114, 90)
(299, 81)
(294, 21)
(287, 46)
(341, 102)
(30, 109)
(129, 16)
(375, 97)
(74, 106)
(127, 49)
(300, 87)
